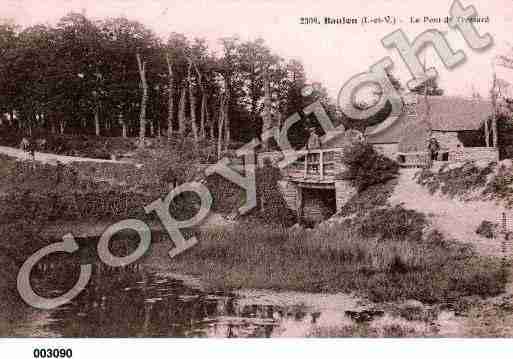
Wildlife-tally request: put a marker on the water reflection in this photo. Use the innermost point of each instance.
(132, 302)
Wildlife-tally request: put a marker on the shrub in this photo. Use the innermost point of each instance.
(227, 196)
(487, 229)
(501, 185)
(271, 207)
(46, 192)
(395, 223)
(366, 167)
(369, 199)
(460, 181)
(72, 145)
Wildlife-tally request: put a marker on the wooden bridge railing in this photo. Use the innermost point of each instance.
(321, 165)
(421, 159)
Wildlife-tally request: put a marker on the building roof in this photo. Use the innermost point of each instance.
(454, 113)
(447, 113)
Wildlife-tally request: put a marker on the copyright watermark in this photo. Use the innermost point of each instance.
(376, 76)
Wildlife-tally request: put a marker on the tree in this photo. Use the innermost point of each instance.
(142, 117)
(176, 49)
(130, 48)
(181, 109)
(114, 77)
(202, 64)
(227, 69)
(171, 100)
(266, 116)
(192, 103)
(9, 43)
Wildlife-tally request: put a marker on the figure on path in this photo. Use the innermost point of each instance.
(314, 141)
(32, 150)
(434, 148)
(25, 146)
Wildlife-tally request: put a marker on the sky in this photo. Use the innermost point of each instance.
(331, 54)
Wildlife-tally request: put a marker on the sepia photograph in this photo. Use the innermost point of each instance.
(255, 169)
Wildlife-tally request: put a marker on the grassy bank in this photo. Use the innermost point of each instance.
(394, 264)
(464, 181)
(35, 197)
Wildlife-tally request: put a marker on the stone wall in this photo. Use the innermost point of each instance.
(344, 190)
(474, 154)
(289, 190)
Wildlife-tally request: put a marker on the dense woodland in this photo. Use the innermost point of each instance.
(115, 77)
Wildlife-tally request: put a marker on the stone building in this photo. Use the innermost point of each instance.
(313, 185)
(457, 123)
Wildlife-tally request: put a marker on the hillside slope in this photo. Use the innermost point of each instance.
(459, 220)
(456, 219)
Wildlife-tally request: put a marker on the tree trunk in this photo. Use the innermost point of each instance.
(97, 119)
(204, 100)
(487, 133)
(124, 129)
(220, 127)
(61, 124)
(211, 130)
(226, 107)
(192, 102)
(144, 99)
(204, 116)
(495, 136)
(181, 111)
(227, 132)
(266, 118)
(122, 122)
(108, 125)
(171, 100)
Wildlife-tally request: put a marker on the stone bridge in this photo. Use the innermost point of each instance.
(313, 185)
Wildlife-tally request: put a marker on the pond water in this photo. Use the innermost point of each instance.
(138, 302)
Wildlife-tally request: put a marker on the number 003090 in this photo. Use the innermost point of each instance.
(52, 353)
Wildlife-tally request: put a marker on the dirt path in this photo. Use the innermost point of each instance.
(455, 219)
(50, 157)
(459, 220)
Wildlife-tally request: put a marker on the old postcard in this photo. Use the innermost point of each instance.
(269, 169)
